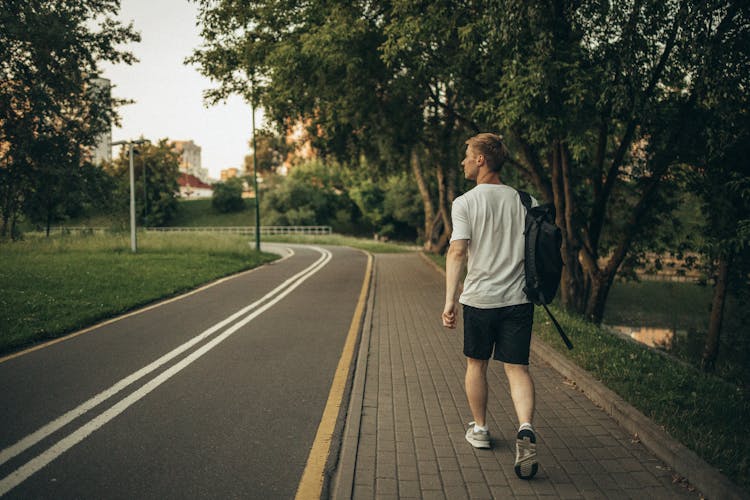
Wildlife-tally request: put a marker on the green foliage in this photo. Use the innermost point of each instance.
(227, 196)
(156, 169)
(52, 105)
(272, 151)
(69, 192)
(56, 285)
(311, 194)
(391, 205)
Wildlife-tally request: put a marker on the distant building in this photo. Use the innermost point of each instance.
(298, 137)
(190, 158)
(191, 187)
(102, 152)
(229, 173)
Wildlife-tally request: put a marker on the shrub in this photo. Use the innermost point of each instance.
(227, 196)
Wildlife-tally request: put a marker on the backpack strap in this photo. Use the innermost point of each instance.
(525, 199)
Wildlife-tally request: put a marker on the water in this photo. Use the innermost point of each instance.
(660, 338)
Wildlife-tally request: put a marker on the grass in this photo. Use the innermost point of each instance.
(61, 284)
(703, 412)
(200, 213)
(341, 240)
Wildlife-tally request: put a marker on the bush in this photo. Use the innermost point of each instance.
(312, 194)
(227, 196)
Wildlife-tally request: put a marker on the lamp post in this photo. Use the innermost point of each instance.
(255, 182)
(133, 245)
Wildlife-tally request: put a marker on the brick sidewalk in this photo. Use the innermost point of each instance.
(404, 435)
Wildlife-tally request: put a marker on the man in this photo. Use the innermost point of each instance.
(488, 225)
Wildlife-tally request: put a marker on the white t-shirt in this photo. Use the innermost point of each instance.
(492, 218)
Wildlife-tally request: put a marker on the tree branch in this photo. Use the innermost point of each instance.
(598, 209)
(534, 167)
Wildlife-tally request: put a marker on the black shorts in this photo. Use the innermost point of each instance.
(506, 329)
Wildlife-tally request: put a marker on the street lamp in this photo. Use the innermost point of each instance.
(255, 176)
(130, 144)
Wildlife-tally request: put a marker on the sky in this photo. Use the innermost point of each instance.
(168, 94)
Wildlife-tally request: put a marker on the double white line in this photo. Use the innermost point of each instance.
(242, 317)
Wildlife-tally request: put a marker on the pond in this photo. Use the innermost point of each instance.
(660, 338)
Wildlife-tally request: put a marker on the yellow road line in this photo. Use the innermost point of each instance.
(311, 484)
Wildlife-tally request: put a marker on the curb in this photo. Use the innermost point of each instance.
(342, 483)
(711, 482)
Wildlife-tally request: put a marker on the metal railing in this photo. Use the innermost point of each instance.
(264, 230)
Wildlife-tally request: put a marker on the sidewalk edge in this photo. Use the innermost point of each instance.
(684, 461)
(342, 482)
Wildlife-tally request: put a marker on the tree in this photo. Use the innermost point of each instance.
(353, 102)
(593, 99)
(156, 165)
(227, 196)
(312, 194)
(720, 148)
(272, 152)
(52, 107)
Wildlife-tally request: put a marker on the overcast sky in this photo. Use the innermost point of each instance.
(168, 94)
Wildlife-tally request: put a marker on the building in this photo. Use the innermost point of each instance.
(298, 137)
(190, 159)
(229, 173)
(102, 152)
(191, 187)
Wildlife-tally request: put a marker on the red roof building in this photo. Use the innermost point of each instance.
(192, 187)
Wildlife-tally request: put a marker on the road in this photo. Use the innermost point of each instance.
(217, 394)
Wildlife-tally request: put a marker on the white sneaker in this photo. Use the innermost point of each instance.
(478, 439)
(526, 465)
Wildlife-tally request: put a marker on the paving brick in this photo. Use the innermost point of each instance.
(414, 413)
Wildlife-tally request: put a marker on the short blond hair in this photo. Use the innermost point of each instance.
(491, 147)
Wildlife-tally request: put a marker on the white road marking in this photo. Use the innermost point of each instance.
(24, 472)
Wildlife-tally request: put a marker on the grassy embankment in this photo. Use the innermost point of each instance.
(57, 285)
(703, 412)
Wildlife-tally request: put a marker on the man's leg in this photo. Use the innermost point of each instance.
(476, 388)
(522, 391)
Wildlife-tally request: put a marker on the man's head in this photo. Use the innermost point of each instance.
(484, 149)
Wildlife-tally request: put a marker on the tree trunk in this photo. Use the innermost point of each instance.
(424, 192)
(601, 283)
(711, 348)
(444, 210)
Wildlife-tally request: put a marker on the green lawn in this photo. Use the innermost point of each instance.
(200, 213)
(57, 285)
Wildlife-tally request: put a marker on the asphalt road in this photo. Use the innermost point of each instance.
(216, 395)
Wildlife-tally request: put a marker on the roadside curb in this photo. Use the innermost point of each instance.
(341, 485)
(706, 478)
(712, 483)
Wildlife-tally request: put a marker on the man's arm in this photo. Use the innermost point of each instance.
(454, 267)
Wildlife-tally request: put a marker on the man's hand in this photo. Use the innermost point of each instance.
(449, 315)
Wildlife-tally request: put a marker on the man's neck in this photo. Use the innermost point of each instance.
(487, 177)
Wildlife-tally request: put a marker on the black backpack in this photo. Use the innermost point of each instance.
(542, 260)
